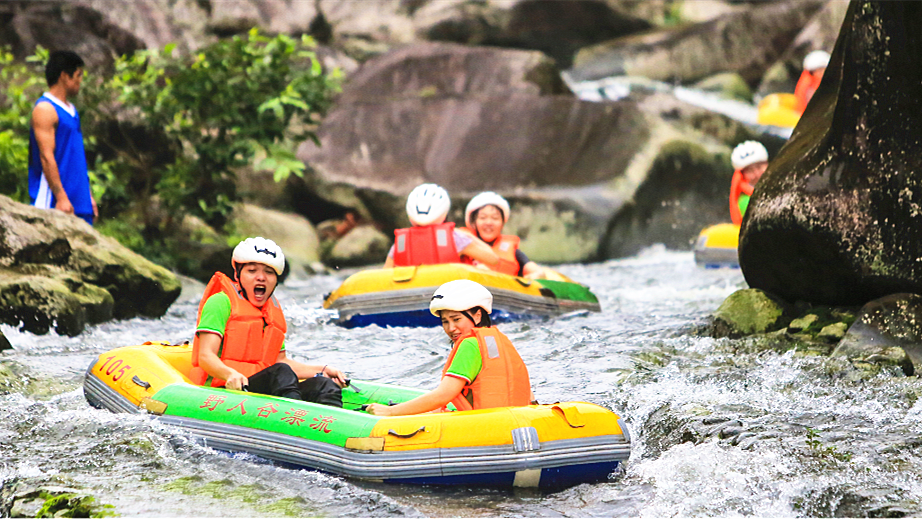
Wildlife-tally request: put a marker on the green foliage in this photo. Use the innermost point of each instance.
(20, 86)
(213, 112)
(824, 451)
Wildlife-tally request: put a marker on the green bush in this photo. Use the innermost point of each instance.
(214, 112)
(20, 85)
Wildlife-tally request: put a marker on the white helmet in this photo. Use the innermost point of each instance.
(482, 200)
(259, 250)
(816, 59)
(428, 204)
(748, 153)
(460, 295)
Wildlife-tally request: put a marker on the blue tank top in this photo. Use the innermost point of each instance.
(70, 155)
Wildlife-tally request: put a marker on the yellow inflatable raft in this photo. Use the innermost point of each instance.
(400, 296)
(778, 110)
(717, 246)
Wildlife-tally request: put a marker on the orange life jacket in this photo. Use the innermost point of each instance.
(253, 336)
(425, 245)
(504, 246)
(806, 87)
(503, 380)
(738, 186)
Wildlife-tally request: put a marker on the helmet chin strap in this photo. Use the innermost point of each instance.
(469, 316)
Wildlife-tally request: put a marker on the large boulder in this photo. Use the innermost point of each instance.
(586, 180)
(836, 219)
(746, 41)
(556, 27)
(55, 270)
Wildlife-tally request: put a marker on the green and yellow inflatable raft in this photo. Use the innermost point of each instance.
(545, 446)
(400, 296)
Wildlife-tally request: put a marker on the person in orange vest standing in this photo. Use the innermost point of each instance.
(483, 370)
(485, 216)
(750, 160)
(815, 64)
(240, 337)
(432, 240)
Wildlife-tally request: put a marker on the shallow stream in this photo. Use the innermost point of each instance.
(720, 427)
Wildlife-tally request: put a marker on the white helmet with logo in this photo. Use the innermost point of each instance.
(461, 295)
(259, 250)
(816, 59)
(428, 204)
(748, 153)
(482, 200)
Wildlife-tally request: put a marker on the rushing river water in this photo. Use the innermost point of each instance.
(720, 427)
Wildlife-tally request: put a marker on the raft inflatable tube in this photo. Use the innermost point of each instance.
(717, 246)
(400, 296)
(545, 446)
(778, 110)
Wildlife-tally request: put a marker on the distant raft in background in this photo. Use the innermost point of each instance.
(717, 246)
(778, 110)
(400, 296)
(541, 446)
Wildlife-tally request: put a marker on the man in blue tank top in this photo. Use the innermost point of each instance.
(58, 177)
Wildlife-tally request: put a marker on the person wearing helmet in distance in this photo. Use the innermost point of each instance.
(750, 160)
(485, 216)
(815, 64)
(240, 337)
(427, 242)
(483, 370)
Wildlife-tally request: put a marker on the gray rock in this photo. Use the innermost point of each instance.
(750, 311)
(746, 41)
(57, 270)
(834, 219)
(363, 245)
(888, 331)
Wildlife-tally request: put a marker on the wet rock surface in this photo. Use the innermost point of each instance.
(55, 270)
(888, 331)
(835, 220)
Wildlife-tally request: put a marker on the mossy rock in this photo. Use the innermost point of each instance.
(750, 311)
(728, 85)
(363, 245)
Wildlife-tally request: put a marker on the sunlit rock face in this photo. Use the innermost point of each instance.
(837, 218)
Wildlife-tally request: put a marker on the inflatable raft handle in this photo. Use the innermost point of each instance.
(410, 435)
(138, 381)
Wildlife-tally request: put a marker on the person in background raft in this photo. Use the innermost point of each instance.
(750, 160)
(240, 338)
(815, 64)
(483, 370)
(58, 175)
(485, 216)
(427, 242)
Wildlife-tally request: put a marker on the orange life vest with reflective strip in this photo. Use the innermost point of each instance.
(504, 246)
(738, 186)
(253, 336)
(425, 245)
(503, 380)
(806, 87)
